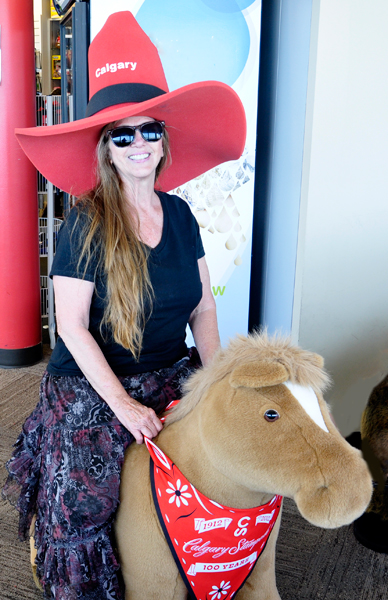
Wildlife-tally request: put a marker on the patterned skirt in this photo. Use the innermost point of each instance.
(65, 470)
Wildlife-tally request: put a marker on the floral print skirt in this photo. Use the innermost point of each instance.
(65, 470)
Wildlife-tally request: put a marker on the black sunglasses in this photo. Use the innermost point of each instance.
(124, 136)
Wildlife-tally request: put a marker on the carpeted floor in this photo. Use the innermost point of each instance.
(312, 563)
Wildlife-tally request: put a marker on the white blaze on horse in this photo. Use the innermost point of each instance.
(251, 425)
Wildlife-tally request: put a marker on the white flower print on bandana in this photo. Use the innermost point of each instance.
(180, 493)
(218, 592)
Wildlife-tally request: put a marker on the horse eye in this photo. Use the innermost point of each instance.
(271, 415)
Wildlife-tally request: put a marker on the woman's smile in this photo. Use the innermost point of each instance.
(140, 159)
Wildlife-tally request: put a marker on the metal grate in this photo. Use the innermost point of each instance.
(48, 110)
(43, 239)
(44, 295)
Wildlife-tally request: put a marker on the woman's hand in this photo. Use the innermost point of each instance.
(138, 419)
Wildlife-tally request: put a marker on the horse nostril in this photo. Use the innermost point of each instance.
(271, 415)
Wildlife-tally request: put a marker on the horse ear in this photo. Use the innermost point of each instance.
(258, 374)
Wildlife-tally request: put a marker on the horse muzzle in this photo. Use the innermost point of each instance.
(340, 498)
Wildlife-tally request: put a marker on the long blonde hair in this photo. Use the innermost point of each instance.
(122, 255)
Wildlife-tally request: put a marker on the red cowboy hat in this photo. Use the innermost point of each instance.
(205, 121)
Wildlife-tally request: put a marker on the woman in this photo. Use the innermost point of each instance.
(129, 275)
(135, 165)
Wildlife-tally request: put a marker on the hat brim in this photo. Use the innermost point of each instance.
(205, 121)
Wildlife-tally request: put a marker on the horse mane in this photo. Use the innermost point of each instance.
(304, 367)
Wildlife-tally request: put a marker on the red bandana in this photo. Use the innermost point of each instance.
(215, 547)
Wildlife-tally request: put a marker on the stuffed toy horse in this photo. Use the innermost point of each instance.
(371, 529)
(252, 427)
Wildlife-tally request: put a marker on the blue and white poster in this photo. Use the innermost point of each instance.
(201, 40)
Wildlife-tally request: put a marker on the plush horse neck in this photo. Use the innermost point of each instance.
(182, 442)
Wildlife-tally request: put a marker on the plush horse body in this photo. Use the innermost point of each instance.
(251, 424)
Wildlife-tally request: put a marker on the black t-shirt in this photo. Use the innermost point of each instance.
(174, 274)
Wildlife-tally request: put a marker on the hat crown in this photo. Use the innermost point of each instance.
(121, 53)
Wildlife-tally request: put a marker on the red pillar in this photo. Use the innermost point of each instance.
(20, 319)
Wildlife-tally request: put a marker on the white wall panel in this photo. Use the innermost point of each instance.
(342, 280)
